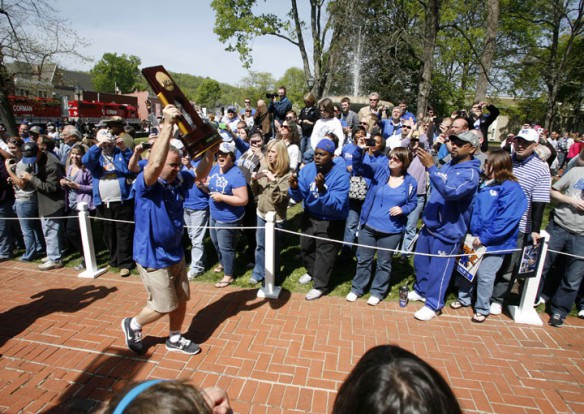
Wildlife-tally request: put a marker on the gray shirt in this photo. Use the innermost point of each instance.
(572, 185)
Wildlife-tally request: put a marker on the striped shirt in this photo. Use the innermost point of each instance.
(535, 180)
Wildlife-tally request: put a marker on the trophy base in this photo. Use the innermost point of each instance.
(196, 146)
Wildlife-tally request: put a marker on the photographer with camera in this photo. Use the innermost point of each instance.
(279, 104)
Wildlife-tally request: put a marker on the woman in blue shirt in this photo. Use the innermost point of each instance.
(497, 209)
(392, 195)
(228, 197)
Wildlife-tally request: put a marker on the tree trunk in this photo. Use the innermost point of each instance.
(431, 27)
(489, 51)
(5, 110)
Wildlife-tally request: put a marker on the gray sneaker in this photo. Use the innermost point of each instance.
(193, 274)
(183, 345)
(50, 264)
(133, 337)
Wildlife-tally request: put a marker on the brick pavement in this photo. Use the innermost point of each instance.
(63, 350)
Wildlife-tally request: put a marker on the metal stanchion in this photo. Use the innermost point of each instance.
(91, 271)
(525, 312)
(270, 291)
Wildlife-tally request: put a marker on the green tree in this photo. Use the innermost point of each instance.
(208, 93)
(112, 70)
(237, 24)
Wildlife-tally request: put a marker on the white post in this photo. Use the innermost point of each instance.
(270, 291)
(91, 271)
(525, 312)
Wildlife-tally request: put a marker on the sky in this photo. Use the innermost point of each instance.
(176, 34)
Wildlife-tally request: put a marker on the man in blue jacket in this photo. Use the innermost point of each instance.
(324, 187)
(446, 218)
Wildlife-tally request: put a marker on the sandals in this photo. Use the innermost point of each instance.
(457, 305)
(218, 269)
(479, 318)
(226, 281)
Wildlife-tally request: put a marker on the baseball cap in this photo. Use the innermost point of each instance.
(227, 147)
(35, 130)
(232, 109)
(30, 151)
(528, 135)
(469, 137)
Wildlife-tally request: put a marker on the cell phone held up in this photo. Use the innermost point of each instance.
(146, 145)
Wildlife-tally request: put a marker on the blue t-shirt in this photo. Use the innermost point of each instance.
(224, 184)
(158, 214)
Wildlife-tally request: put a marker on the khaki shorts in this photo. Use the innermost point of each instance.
(167, 288)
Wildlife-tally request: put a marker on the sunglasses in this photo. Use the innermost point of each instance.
(406, 127)
(394, 158)
(247, 102)
(373, 100)
(363, 123)
(458, 142)
(284, 126)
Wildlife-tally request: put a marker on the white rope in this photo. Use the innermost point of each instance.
(304, 235)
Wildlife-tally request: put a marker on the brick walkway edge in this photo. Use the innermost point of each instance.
(62, 349)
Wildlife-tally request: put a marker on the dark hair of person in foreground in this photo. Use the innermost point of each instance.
(391, 380)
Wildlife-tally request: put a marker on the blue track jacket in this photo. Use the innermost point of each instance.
(449, 207)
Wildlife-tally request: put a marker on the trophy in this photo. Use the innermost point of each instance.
(197, 136)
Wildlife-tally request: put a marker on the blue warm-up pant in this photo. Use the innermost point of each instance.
(433, 273)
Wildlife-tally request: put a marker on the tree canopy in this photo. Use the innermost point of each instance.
(113, 71)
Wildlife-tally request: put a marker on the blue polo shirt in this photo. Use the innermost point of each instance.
(158, 215)
(224, 184)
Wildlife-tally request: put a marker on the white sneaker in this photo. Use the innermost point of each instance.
(413, 296)
(304, 279)
(351, 297)
(313, 294)
(496, 308)
(373, 301)
(425, 314)
(581, 314)
(193, 274)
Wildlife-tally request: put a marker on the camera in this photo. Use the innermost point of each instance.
(271, 95)
(146, 145)
(29, 168)
(11, 161)
(370, 142)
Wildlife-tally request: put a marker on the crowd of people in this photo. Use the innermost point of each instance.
(363, 179)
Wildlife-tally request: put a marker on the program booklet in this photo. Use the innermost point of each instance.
(468, 265)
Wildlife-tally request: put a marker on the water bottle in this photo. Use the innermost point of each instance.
(403, 296)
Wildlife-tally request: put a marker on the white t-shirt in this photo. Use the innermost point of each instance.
(324, 126)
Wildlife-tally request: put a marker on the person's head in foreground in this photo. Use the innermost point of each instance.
(169, 397)
(391, 380)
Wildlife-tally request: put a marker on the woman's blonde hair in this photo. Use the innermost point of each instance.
(282, 164)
